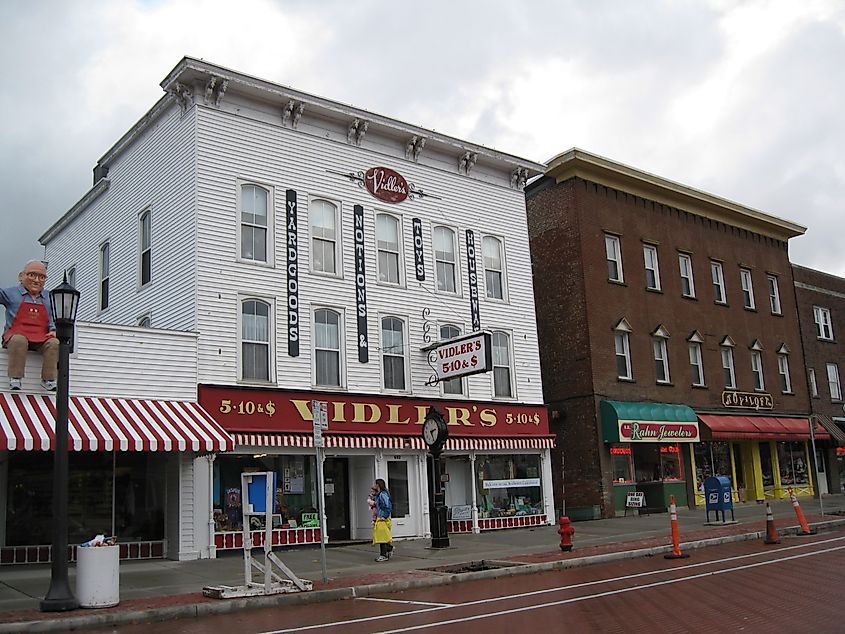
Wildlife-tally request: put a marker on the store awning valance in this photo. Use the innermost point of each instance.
(356, 441)
(626, 421)
(27, 422)
(836, 432)
(729, 427)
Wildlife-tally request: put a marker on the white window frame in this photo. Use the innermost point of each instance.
(727, 353)
(270, 343)
(814, 386)
(652, 265)
(696, 360)
(774, 295)
(398, 253)
(268, 228)
(71, 275)
(613, 252)
(337, 240)
(622, 339)
(145, 248)
(747, 284)
(511, 378)
(501, 271)
(341, 348)
(833, 382)
(403, 320)
(103, 288)
(459, 381)
(685, 270)
(783, 371)
(824, 325)
(757, 371)
(146, 317)
(660, 352)
(456, 276)
(717, 275)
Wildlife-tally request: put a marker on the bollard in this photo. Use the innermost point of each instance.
(566, 531)
(676, 539)
(802, 521)
(772, 536)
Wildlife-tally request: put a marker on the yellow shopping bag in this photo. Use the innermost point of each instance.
(381, 531)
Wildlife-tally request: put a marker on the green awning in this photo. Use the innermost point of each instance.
(626, 421)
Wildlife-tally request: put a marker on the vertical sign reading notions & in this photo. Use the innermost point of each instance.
(360, 285)
(293, 273)
(419, 260)
(473, 281)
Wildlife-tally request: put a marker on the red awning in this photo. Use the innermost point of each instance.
(760, 427)
(356, 441)
(27, 422)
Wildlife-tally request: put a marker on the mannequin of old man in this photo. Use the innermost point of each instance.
(29, 326)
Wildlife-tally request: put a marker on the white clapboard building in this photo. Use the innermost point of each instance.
(318, 251)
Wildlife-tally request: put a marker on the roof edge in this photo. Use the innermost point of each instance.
(81, 205)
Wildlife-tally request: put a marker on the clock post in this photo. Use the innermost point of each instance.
(435, 433)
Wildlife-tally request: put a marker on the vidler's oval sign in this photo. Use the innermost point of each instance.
(386, 184)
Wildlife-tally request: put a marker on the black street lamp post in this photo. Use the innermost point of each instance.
(64, 300)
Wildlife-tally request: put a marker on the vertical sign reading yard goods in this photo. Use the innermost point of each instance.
(293, 274)
(360, 285)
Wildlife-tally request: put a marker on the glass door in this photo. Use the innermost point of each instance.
(401, 482)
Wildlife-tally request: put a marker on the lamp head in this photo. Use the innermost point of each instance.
(64, 300)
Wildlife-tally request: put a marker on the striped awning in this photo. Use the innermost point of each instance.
(27, 422)
(349, 441)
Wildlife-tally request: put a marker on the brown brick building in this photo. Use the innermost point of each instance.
(669, 339)
(821, 311)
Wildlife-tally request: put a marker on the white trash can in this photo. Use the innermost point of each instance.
(98, 576)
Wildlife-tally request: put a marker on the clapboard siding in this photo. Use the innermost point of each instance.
(157, 173)
(126, 362)
(232, 149)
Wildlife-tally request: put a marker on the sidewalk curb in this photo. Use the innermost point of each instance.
(92, 620)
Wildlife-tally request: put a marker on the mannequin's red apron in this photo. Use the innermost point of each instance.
(31, 321)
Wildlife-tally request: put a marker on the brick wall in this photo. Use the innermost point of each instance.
(577, 309)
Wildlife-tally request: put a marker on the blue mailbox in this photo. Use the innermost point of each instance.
(718, 497)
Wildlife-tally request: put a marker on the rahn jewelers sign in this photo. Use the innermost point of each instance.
(386, 184)
(643, 431)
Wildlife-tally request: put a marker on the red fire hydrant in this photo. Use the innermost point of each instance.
(566, 532)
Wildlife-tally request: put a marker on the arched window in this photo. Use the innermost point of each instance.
(255, 340)
(327, 348)
(105, 257)
(254, 223)
(393, 353)
(145, 263)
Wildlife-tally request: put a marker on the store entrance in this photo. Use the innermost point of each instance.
(336, 475)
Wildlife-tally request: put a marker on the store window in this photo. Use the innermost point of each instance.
(711, 458)
(766, 464)
(622, 464)
(655, 462)
(295, 490)
(792, 459)
(134, 480)
(509, 485)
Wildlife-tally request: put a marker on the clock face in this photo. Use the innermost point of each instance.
(430, 431)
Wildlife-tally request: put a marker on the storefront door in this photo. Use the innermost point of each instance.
(336, 473)
(402, 482)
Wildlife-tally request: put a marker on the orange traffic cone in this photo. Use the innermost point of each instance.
(772, 536)
(802, 521)
(676, 540)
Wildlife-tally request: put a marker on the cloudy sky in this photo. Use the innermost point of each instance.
(740, 99)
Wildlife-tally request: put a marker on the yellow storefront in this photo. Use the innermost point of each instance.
(764, 456)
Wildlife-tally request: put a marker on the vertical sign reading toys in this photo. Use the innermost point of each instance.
(419, 259)
(473, 281)
(360, 286)
(293, 273)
